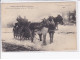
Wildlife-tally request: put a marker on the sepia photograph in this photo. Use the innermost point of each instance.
(38, 26)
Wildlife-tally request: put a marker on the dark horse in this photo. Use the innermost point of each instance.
(42, 28)
(58, 20)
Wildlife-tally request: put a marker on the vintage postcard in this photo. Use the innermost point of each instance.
(38, 26)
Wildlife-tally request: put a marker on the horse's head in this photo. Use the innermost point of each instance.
(45, 22)
(51, 20)
(59, 19)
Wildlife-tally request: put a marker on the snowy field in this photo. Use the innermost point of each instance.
(64, 40)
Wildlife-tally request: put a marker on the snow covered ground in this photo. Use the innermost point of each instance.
(64, 40)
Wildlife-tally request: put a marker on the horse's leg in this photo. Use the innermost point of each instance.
(17, 37)
(28, 38)
(40, 36)
(23, 36)
(44, 39)
(57, 27)
(20, 36)
(32, 36)
(51, 37)
(14, 35)
(51, 41)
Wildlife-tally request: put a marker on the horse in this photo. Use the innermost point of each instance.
(42, 28)
(34, 27)
(58, 20)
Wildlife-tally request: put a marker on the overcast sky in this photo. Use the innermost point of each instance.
(33, 11)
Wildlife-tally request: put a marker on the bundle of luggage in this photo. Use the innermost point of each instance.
(21, 28)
